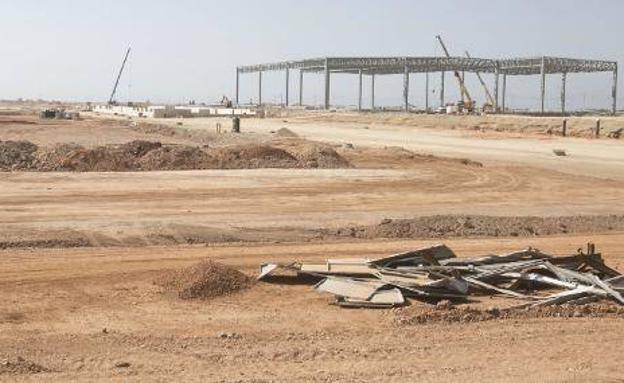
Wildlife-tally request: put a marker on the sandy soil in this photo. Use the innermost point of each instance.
(94, 313)
(80, 312)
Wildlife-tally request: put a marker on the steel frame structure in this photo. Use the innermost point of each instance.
(372, 66)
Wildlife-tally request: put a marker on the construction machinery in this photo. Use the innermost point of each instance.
(488, 106)
(467, 103)
(111, 100)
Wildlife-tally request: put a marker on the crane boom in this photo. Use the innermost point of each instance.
(485, 88)
(123, 65)
(462, 87)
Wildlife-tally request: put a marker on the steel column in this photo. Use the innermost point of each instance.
(373, 92)
(426, 92)
(237, 84)
(542, 85)
(504, 95)
(496, 98)
(360, 91)
(300, 87)
(442, 89)
(260, 88)
(406, 88)
(614, 91)
(564, 76)
(327, 84)
(287, 83)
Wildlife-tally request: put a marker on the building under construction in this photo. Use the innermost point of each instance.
(376, 66)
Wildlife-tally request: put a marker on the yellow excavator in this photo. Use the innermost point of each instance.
(467, 103)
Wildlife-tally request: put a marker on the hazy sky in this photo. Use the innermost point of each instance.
(187, 49)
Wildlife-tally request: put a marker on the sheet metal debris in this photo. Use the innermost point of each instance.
(435, 272)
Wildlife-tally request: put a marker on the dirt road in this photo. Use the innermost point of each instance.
(79, 312)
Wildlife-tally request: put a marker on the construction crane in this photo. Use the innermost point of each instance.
(111, 100)
(490, 100)
(467, 101)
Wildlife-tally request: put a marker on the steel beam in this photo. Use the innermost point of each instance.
(406, 75)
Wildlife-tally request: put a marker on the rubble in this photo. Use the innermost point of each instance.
(436, 273)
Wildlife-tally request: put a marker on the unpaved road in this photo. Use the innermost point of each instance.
(588, 157)
(56, 304)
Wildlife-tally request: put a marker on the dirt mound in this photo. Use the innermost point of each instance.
(20, 366)
(52, 159)
(16, 154)
(139, 148)
(204, 280)
(286, 133)
(252, 156)
(312, 154)
(418, 314)
(446, 226)
(147, 155)
(175, 158)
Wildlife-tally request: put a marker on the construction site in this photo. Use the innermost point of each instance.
(442, 239)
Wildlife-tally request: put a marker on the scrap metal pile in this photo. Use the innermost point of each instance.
(436, 273)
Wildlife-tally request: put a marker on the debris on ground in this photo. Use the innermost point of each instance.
(560, 152)
(20, 365)
(205, 280)
(436, 273)
(616, 133)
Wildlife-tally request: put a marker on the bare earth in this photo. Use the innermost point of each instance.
(91, 311)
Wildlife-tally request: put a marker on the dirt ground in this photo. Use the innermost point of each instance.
(81, 252)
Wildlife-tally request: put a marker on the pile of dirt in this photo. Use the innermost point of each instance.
(417, 314)
(447, 226)
(16, 154)
(175, 158)
(146, 155)
(286, 133)
(310, 154)
(51, 159)
(205, 280)
(252, 156)
(20, 366)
